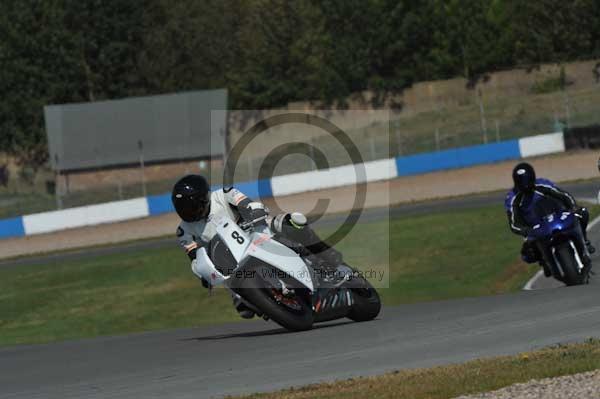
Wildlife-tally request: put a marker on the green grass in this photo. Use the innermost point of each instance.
(451, 381)
(107, 295)
(431, 257)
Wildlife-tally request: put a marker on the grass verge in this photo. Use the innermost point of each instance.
(431, 257)
(481, 375)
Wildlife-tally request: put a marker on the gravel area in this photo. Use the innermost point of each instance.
(578, 386)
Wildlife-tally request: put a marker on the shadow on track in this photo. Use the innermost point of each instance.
(274, 331)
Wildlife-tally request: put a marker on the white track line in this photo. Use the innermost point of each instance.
(593, 223)
(540, 273)
(533, 280)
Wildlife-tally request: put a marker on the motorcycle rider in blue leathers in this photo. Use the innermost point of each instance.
(531, 199)
(194, 203)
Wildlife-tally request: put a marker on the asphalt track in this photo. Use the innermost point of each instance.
(256, 356)
(581, 190)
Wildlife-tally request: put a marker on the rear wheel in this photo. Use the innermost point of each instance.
(367, 303)
(568, 263)
(291, 311)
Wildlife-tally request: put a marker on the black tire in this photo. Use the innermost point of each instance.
(254, 291)
(564, 254)
(367, 303)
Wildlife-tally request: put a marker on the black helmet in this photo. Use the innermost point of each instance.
(524, 177)
(191, 198)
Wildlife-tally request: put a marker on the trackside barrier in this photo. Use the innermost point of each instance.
(159, 204)
(85, 216)
(457, 158)
(255, 189)
(384, 169)
(12, 227)
(542, 145)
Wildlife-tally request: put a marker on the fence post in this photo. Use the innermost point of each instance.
(372, 148)
(311, 154)
(142, 167)
(57, 185)
(398, 141)
(497, 130)
(57, 196)
(567, 108)
(482, 116)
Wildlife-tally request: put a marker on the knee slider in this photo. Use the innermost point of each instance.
(295, 220)
(298, 220)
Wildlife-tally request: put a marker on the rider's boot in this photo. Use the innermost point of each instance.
(586, 259)
(530, 254)
(547, 271)
(591, 249)
(243, 310)
(584, 217)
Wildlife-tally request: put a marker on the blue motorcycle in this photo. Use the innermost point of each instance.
(560, 240)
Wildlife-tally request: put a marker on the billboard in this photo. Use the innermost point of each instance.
(120, 132)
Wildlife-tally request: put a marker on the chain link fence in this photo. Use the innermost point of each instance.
(480, 121)
(484, 118)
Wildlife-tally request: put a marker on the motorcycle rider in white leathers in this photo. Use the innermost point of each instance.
(194, 203)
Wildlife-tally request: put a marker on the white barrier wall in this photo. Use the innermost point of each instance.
(85, 216)
(384, 169)
(542, 145)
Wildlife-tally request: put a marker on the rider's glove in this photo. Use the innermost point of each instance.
(529, 253)
(258, 213)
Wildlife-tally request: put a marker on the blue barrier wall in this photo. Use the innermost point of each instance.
(457, 158)
(408, 165)
(12, 227)
(256, 189)
(159, 204)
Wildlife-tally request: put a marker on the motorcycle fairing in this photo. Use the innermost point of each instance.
(281, 257)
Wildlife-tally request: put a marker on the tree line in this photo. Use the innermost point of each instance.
(265, 52)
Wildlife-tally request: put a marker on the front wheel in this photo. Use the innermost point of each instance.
(290, 311)
(367, 303)
(568, 263)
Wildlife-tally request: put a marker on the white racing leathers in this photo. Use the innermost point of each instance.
(193, 237)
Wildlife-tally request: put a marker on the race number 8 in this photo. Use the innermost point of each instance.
(235, 235)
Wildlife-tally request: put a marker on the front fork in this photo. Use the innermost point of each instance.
(580, 264)
(577, 243)
(580, 241)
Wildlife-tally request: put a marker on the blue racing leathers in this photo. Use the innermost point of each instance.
(524, 211)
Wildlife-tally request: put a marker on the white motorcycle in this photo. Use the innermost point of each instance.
(279, 284)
